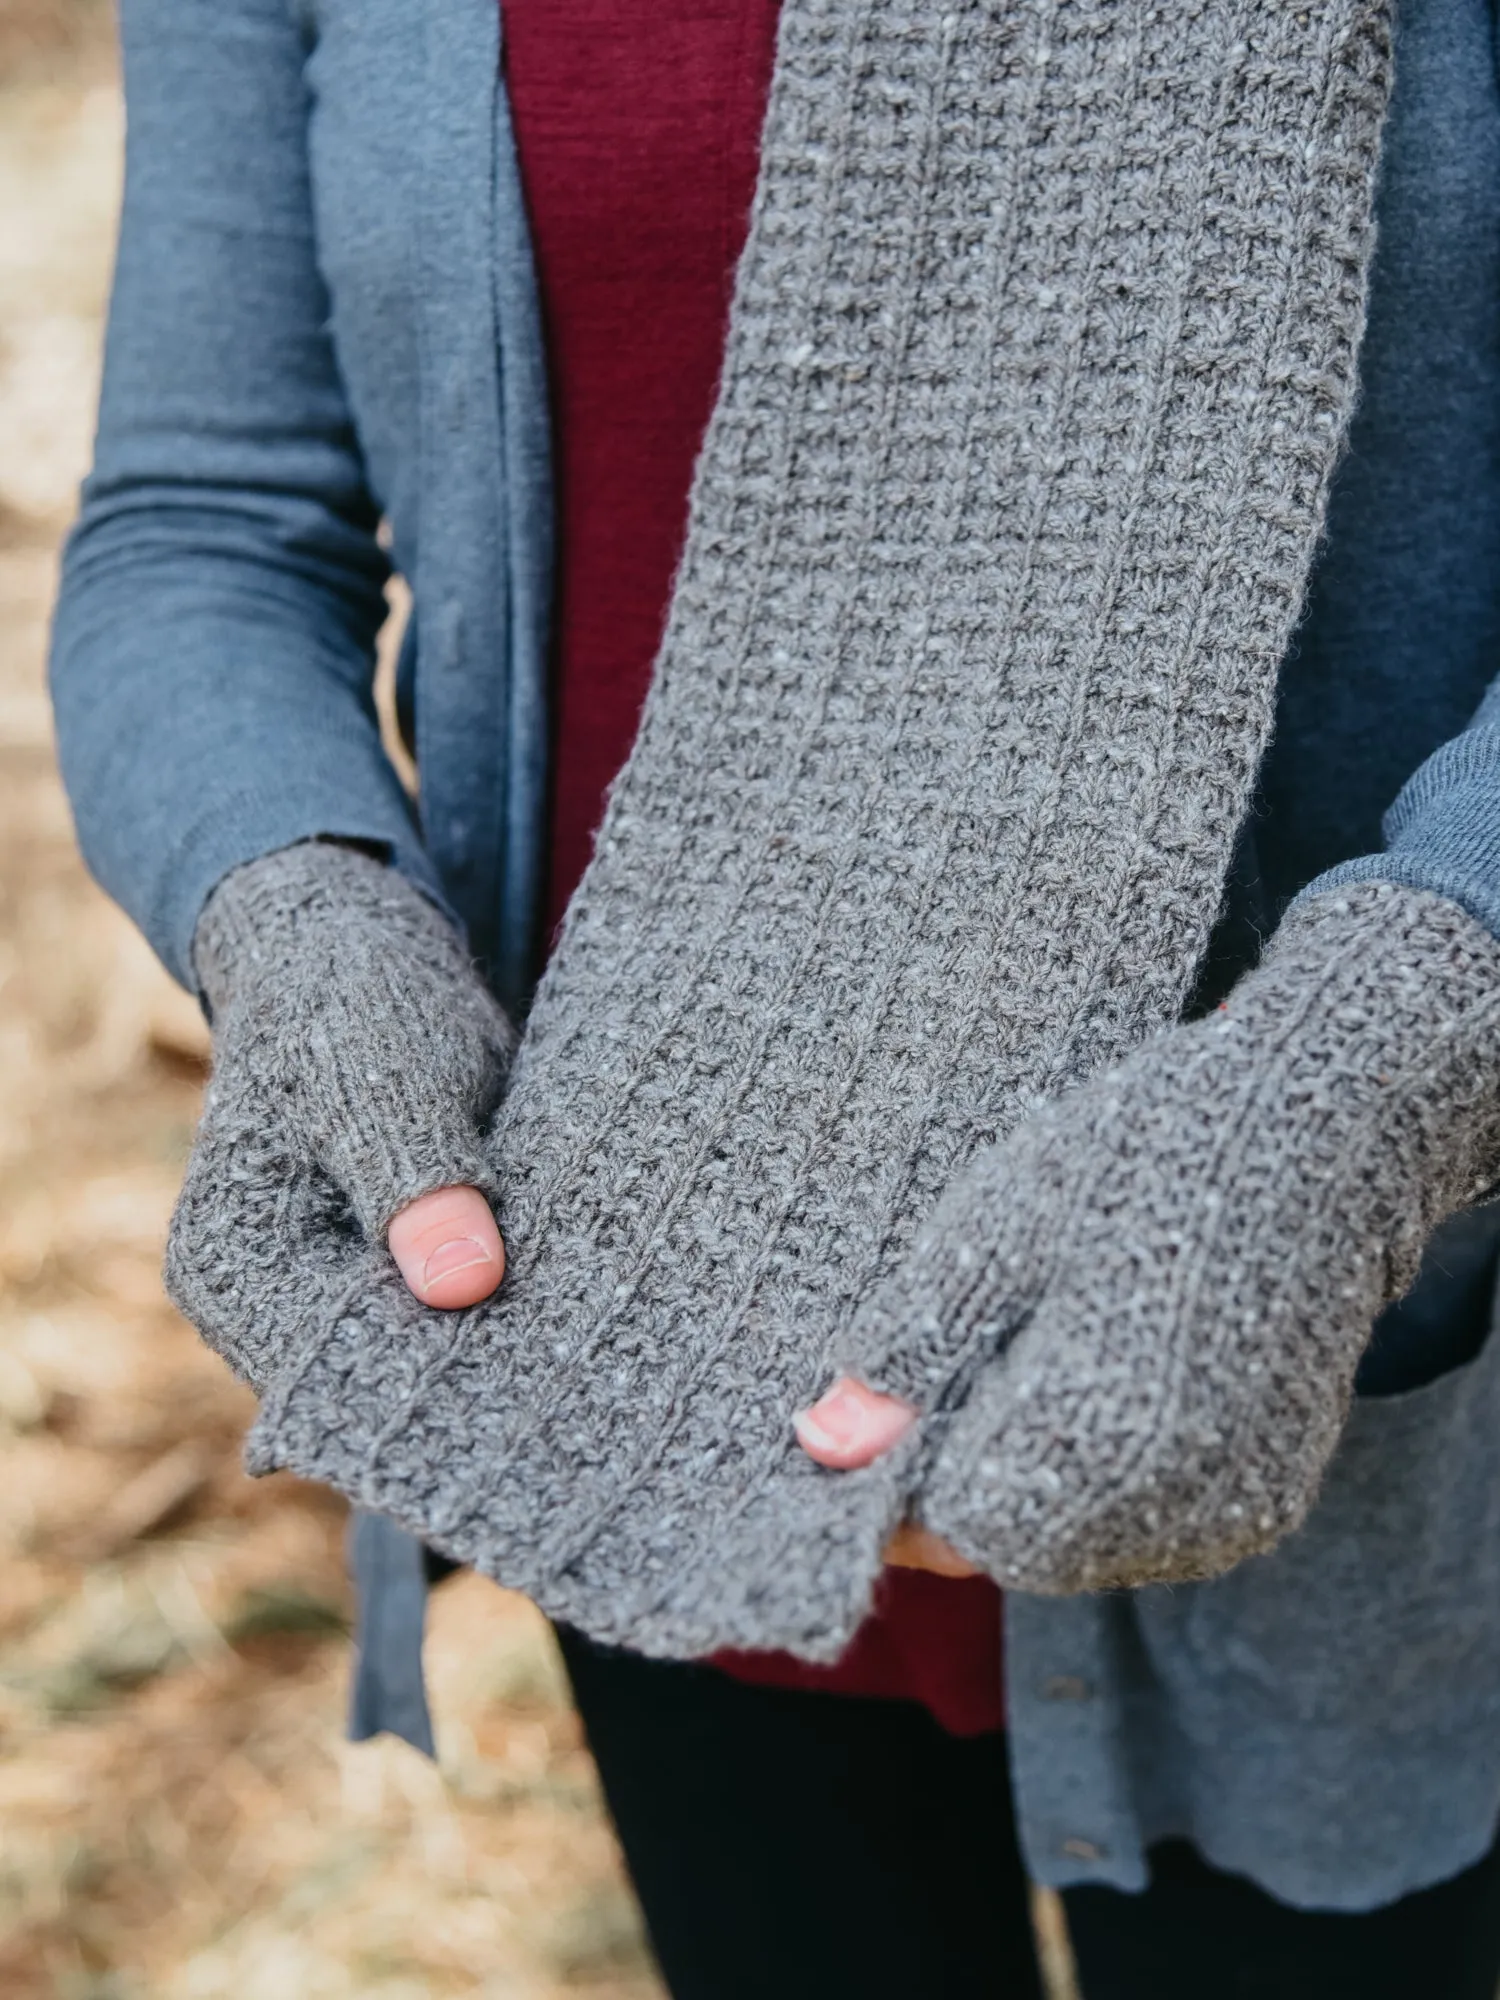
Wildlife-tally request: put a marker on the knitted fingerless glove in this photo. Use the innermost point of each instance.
(357, 1058)
(1130, 1328)
(933, 793)
(1133, 1327)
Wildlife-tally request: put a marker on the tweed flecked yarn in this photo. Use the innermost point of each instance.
(1042, 352)
(1179, 1263)
(357, 1058)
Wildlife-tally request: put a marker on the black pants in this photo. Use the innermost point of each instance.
(791, 1846)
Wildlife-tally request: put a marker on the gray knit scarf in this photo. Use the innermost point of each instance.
(1042, 352)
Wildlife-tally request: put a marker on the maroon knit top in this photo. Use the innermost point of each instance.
(638, 130)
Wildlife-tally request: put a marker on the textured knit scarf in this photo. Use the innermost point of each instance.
(1042, 352)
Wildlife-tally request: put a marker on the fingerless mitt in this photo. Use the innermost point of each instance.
(1134, 1326)
(357, 1057)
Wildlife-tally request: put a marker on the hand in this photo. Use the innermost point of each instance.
(357, 1061)
(1141, 1315)
(852, 1426)
(447, 1247)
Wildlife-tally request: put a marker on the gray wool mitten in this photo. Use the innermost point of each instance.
(1134, 1326)
(357, 1059)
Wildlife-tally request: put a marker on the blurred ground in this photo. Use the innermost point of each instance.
(179, 1819)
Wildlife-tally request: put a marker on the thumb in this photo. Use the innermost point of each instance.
(851, 1425)
(447, 1247)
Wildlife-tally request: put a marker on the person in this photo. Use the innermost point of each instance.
(918, 1172)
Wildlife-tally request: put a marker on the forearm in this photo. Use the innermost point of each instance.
(213, 655)
(197, 731)
(1442, 832)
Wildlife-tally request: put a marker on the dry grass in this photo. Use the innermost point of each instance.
(179, 1818)
(52, 38)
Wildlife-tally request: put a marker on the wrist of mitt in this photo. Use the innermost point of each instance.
(347, 1004)
(1132, 1328)
(358, 1058)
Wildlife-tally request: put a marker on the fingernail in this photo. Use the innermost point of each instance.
(836, 1422)
(460, 1253)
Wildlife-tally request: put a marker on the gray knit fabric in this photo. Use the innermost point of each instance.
(1180, 1262)
(357, 1057)
(1042, 351)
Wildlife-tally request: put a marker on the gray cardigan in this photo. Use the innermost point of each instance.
(324, 312)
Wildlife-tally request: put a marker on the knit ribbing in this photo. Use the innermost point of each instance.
(1042, 351)
(1178, 1265)
(357, 1058)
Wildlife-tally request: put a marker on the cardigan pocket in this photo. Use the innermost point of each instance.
(1326, 1718)
(1383, 1611)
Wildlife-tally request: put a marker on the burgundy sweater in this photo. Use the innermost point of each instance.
(638, 130)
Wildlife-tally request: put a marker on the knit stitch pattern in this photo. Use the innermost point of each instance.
(357, 1059)
(1148, 1304)
(1043, 347)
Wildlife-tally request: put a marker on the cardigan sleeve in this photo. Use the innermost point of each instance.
(213, 648)
(1443, 831)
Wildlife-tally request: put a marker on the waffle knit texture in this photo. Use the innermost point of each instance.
(357, 1058)
(638, 141)
(1178, 1264)
(1043, 348)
